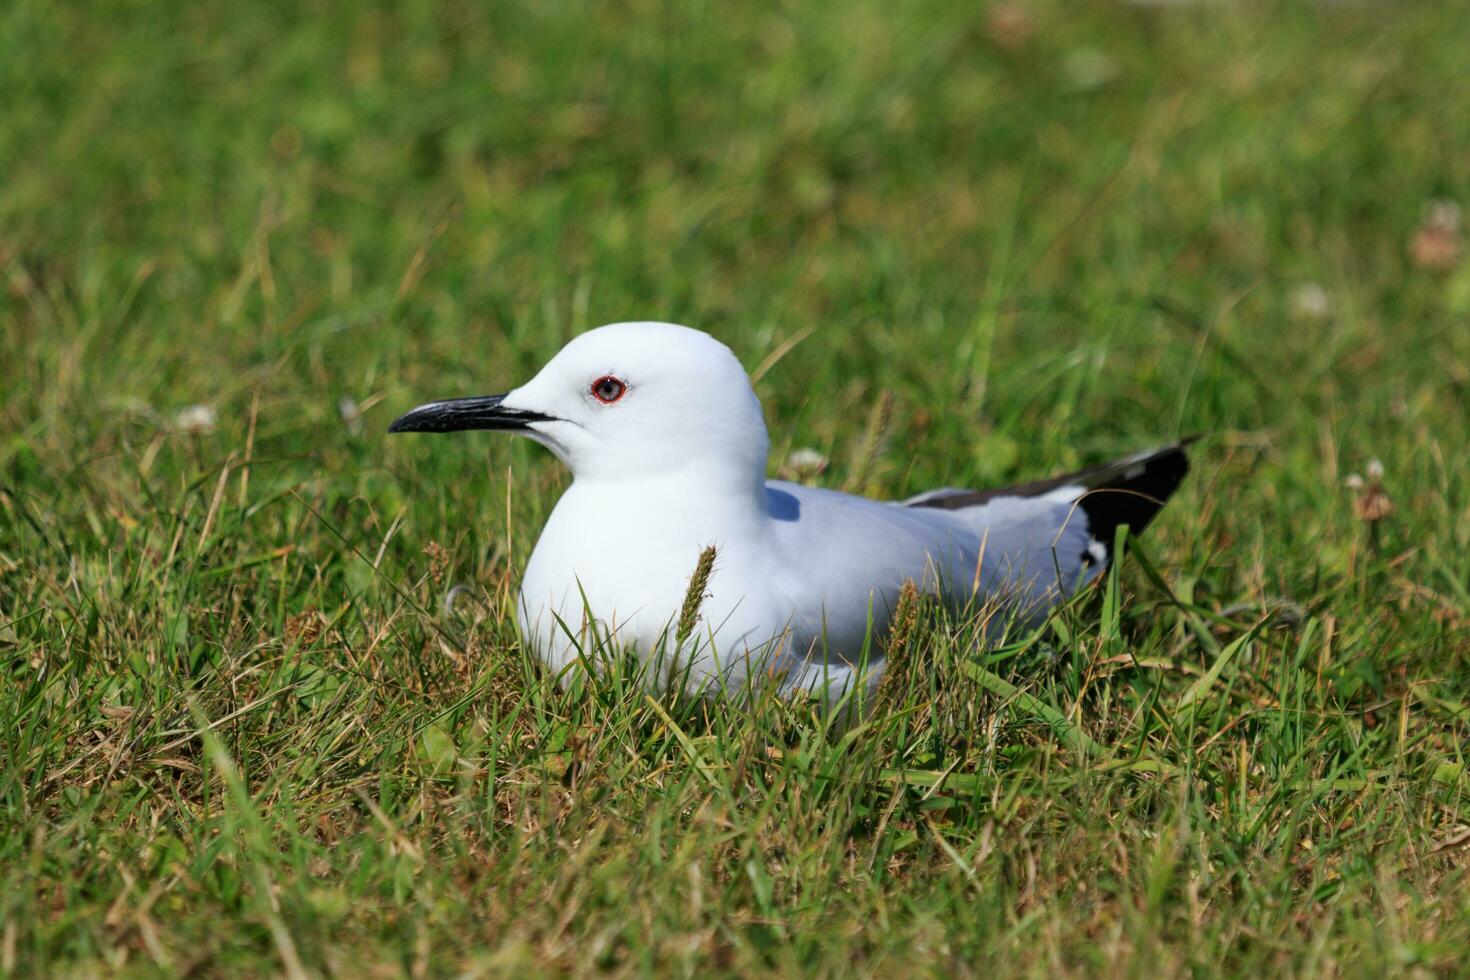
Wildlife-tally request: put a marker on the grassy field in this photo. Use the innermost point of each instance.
(240, 734)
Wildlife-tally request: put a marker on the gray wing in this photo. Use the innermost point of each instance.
(1093, 502)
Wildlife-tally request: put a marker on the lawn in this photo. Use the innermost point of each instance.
(244, 730)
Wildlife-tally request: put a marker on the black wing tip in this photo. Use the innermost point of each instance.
(1136, 497)
(1102, 477)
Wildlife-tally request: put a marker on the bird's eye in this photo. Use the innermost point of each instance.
(608, 389)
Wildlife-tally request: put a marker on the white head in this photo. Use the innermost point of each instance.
(627, 401)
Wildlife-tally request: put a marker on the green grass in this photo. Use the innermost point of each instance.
(237, 733)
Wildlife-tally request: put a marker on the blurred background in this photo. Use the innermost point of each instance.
(1050, 230)
(956, 244)
(1026, 235)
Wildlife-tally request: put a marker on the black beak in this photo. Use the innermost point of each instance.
(458, 414)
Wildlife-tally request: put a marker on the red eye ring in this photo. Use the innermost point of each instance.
(608, 389)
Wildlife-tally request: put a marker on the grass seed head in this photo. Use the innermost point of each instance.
(901, 632)
(438, 561)
(695, 595)
(875, 437)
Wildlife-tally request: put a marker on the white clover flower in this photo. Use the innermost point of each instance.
(1309, 301)
(1444, 213)
(196, 419)
(351, 413)
(803, 465)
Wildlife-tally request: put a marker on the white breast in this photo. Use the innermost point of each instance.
(616, 560)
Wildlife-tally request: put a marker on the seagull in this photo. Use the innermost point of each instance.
(668, 449)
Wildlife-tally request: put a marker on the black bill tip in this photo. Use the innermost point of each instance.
(461, 414)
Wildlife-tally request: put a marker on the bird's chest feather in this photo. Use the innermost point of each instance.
(624, 559)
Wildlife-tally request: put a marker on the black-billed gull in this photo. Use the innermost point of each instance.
(668, 449)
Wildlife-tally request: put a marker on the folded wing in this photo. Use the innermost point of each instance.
(1072, 519)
